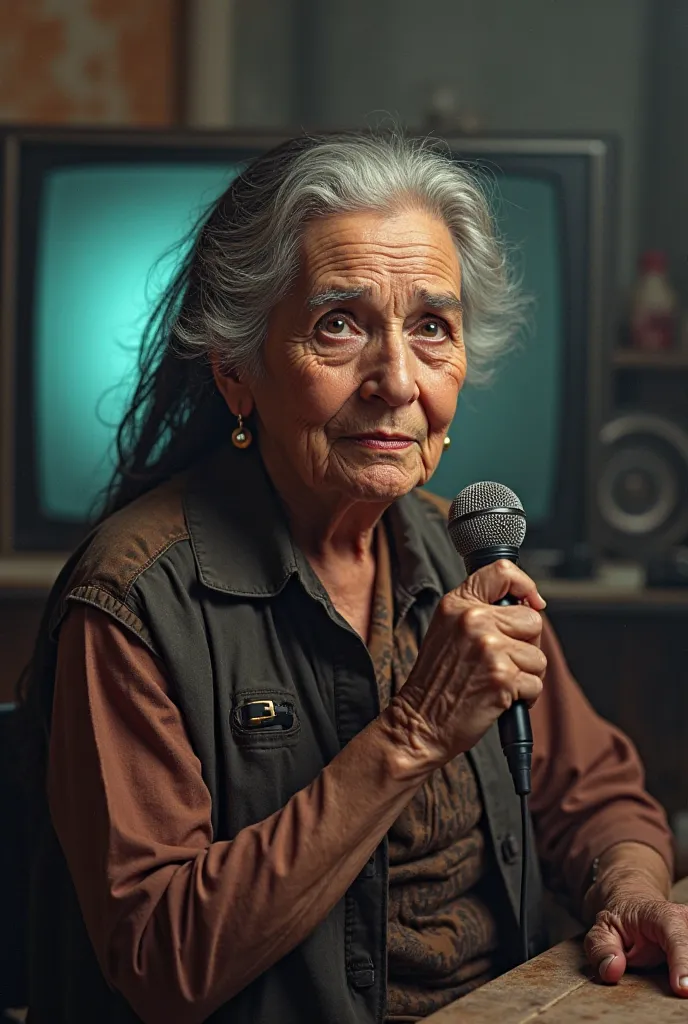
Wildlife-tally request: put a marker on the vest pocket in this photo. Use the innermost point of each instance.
(264, 719)
(362, 973)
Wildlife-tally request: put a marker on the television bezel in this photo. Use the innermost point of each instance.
(584, 175)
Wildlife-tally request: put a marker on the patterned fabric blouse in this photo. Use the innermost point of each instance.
(442, 937)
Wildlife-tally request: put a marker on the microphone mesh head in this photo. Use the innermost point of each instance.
(485, 527)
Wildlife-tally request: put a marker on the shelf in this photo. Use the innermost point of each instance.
(631, 359)
(31, 574)
(595, 591)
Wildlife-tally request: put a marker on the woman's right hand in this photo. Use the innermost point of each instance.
(476, 659)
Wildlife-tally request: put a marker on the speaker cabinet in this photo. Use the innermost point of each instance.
(642, 484)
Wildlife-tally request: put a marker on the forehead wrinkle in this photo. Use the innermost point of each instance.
(380, 234)
(365, 249)
(432, 264)
(334, 260)
(437, 285)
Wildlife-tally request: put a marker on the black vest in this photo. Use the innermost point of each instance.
(204, 571)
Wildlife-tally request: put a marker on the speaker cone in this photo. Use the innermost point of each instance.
(642, 490)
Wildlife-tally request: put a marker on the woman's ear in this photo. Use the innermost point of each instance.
(236, 394)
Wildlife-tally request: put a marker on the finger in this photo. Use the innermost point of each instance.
(527, 658)
(519, 623)
(604, 949)
(675, 945)
(511, 683)
(527, 688)
(495, 581)
(477, 620)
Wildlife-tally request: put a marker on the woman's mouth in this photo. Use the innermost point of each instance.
(384, 442)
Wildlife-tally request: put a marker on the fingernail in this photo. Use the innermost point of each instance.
(683, 982)
(604, 965)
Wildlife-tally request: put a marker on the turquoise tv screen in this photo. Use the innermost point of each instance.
(104, 233)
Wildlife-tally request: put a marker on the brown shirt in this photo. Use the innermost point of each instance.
(132, 814)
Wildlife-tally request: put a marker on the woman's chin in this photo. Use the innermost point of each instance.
(383, 482)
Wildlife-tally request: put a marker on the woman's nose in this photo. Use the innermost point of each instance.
(391, 376)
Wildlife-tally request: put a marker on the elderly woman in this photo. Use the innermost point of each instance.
(274, 787)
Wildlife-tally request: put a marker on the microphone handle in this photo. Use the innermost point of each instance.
(516, 735)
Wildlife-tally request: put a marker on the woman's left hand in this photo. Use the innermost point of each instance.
(640, 931)
(635, 924)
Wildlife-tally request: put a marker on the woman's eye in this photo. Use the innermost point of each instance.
(334, 323)
(436, 330)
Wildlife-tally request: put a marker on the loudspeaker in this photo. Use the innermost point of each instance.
(642, 484)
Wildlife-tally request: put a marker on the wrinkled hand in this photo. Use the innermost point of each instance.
(474, 662)
(640, 932)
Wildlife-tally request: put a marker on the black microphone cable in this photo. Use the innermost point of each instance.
(517, 743)
(525, 860)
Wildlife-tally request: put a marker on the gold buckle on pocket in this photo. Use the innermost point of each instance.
(268, 707)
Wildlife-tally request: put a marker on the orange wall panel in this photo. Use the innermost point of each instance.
(89, 61)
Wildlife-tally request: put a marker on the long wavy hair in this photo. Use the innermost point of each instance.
(243, 257)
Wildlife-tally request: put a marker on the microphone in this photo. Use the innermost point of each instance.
(487, 522)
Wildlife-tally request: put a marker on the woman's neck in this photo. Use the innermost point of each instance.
(336, 536)
(327, 526)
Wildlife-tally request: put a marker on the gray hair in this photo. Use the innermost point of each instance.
(247, 254)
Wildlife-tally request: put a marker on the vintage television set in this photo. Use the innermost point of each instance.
(86, 214)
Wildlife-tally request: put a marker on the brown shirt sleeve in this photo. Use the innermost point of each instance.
(588, 782)
(180, 923)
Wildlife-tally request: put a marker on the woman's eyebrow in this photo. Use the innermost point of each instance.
(441, 301)
(336, 295)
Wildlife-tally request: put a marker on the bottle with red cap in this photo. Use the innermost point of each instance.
(654, 305)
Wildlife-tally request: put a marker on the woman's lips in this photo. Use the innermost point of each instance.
(384, 443)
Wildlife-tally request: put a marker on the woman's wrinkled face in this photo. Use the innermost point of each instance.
(364, 360)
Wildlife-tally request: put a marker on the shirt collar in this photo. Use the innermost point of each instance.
(243, 546)
(418, 541)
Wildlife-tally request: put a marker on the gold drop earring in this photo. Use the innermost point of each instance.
(241, 435)
(446, 444)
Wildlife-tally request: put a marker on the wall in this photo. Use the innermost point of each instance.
(89, 61)
(532, 65)
(81, 62)
(665, 223)
(265, 78)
